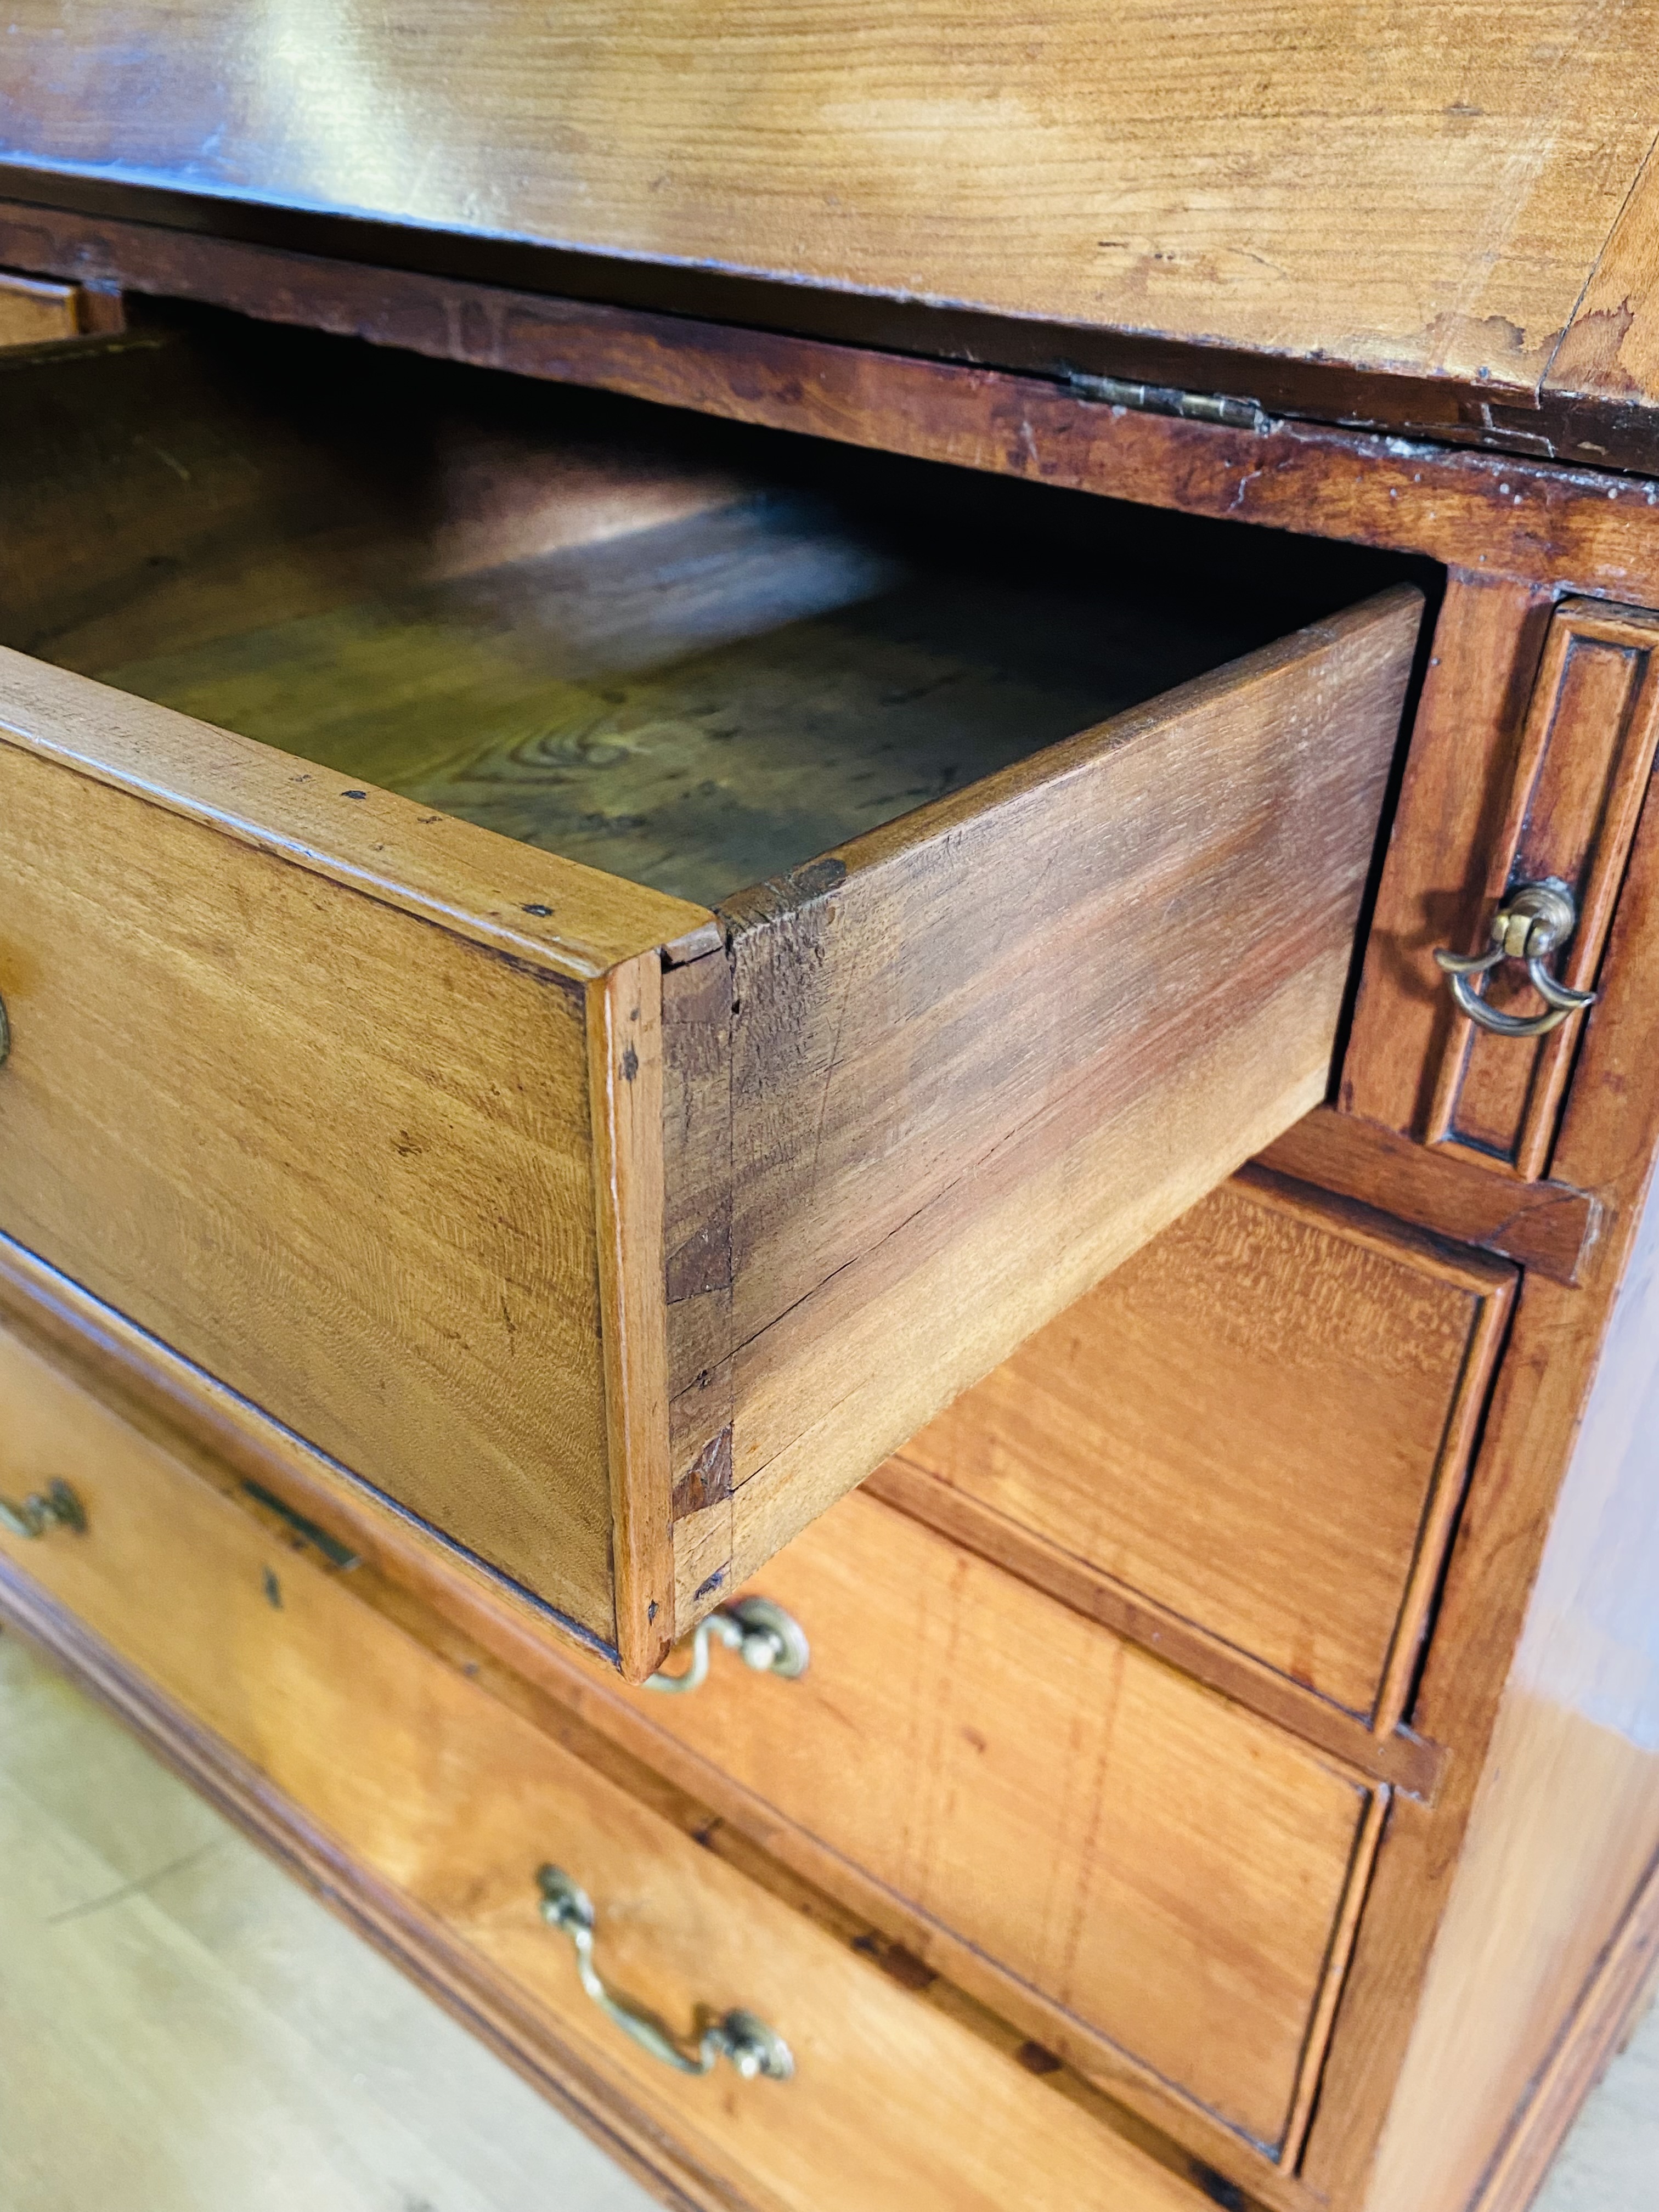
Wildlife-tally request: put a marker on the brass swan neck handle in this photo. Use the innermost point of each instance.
(1533, 921)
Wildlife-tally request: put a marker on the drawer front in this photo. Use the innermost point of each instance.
(428, 1782)
(291, 1130)
(612, 1240)
(1168, 1869)
(1260, 1421)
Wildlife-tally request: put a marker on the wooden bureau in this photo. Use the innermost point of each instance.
(751, 1266)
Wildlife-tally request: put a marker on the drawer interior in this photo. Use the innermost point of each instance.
(688, 654)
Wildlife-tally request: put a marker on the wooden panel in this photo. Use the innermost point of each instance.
(427, 1783)
(244, 1102)
(1608, 2015)
(1259, 1422)
(980, 1056)
(1278, 183)
(484, 1626)
(1398, 1756)
(1547, 1226)
(1168, 1871)
(1580, 776)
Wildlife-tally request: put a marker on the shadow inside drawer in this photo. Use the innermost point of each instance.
(708, 654)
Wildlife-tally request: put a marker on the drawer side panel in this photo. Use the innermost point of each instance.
(982, 1055)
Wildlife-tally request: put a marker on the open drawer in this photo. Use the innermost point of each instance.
(420, 1060)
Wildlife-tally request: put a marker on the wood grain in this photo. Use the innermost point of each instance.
(1168, 1872)
(1279, 184)
(1586, 753)
(339, 1155)
(230, 1445)
(693, 677)
(903, 1213)
(1606, 353)
(171, 486)
(1404, 1760)
(705, 704)
(1259, 1422)
(452, 1799)
(896, 1015)
(1507, 514)
(504, 897)
(1548, 1227)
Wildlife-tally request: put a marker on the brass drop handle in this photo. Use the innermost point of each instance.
(56, 1506)
(1533, 921)
(763, 1635)
(756, 2050)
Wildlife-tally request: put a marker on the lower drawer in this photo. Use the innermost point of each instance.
(429, 1783)
(1173, 1873)
(1259, 1422)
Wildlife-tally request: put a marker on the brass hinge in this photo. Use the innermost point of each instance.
(1164, 399)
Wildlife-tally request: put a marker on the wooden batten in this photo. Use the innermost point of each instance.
(624, 1067)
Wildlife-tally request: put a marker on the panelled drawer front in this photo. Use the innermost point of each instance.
(432, 1784)
(1582, 772)
(1169, 1870)
(1260, 1421)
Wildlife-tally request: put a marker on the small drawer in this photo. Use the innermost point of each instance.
(1262, 1422)
(1173, 1873)
(37, 311)
(428, 1784)
(388, 758)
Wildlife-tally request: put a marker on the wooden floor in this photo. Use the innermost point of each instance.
(182, 2029)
